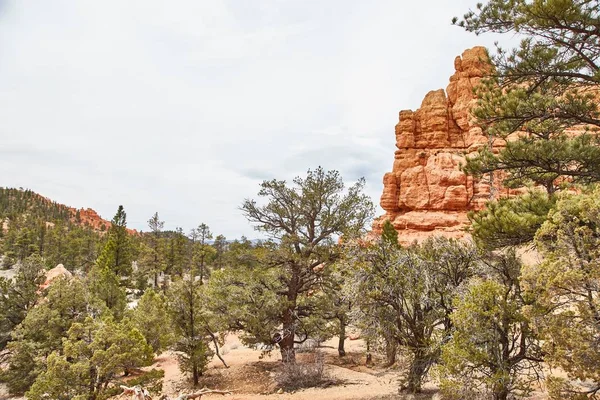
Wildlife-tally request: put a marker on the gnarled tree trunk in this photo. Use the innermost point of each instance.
(286, 345)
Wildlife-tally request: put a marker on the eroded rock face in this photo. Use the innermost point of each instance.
(426, 193)
(92, 219)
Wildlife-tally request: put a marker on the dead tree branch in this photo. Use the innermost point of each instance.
(139, 393)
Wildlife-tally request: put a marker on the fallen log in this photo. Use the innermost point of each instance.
(201, 393)
(139, 393)
(136, 392)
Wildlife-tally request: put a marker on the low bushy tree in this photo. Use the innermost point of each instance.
(68, 301)
(19, 295)
(191, 324)
(405, 295)
(494, 350)
(151, 318)
(566, 285)
(93, 355)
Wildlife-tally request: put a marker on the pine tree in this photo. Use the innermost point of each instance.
(493, 350)
(67, 301)
(389, 233)
(155, 261)
(116, 254)
(543, 88)
(305, 219)
(19, 296)
(566, 285)
(220, 246)
(202, 252)
(106, 286)
(510, 222)
(405, 295)
(151, 318)
(93, 354)
(178, 255)
(191, 322)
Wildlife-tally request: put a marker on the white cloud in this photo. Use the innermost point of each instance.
(183, 107)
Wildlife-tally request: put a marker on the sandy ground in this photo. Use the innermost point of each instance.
(251, 377)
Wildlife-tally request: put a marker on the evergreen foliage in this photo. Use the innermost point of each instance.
(543, 88)
(405, 295)
(106, 286)
(36, 225)
(68, 301)
(116, 254)
(202, 252)
(305, 220)
(93, 354)
(155, 257)
(16, 202)
(510, 221)
(20, 295)
(494, 351)
(151, 318)
(191, 321)
(566, 285)
(389, 233)
(177, 256)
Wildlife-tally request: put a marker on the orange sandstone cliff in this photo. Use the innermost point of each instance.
(427, 193)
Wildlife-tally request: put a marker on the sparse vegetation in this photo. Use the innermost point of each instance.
(474, 319)
(305, 374)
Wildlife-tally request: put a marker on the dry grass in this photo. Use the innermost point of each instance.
(305, 374)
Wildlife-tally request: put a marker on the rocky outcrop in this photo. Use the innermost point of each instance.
(90, 218)
(427, 193)
(54, 273)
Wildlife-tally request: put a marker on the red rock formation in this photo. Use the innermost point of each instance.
(90, 218)
(426, 193)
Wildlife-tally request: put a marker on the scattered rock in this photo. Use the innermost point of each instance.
(54, 273)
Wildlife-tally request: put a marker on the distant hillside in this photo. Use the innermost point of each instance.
(14, 202)
(33, 224)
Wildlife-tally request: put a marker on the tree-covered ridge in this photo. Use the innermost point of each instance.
(33, 224)
(142, 294)
(16, 202)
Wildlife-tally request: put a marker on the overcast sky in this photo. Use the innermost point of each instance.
(184, 107)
